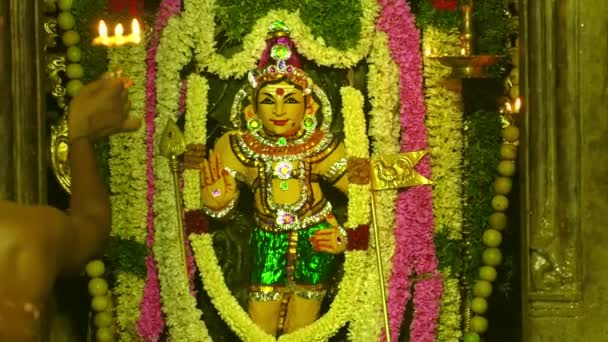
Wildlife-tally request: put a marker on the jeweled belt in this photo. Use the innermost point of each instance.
(285, 220)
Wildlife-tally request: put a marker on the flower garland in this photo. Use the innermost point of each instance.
(195, 132)
(127, 154)
(183, 318)
(445, 124)
(221, 297)
(357, 146)
(414, 232)
(151, 323)
(449, 328)
(202, 12)
(383, 87)
(240, 322)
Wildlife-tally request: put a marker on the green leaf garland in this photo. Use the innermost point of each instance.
(336, 22)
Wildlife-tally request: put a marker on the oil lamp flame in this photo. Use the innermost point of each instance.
(119, 38)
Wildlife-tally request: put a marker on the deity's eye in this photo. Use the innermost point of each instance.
(291, 100)
(267, 101)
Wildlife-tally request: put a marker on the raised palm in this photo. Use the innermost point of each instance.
(218, 186)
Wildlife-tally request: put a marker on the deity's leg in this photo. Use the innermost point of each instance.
(300, 313)
(266, 314)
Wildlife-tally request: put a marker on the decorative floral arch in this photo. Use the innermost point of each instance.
(394, 79)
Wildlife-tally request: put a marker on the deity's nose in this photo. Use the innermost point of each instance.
(278, 108)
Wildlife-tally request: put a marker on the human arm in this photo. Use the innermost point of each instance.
(100, 109)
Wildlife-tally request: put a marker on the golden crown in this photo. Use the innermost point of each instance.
(280, 48)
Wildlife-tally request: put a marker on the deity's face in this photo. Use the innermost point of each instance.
(281, 108)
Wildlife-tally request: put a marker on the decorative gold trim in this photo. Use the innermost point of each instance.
(397, 171)
(59, 146)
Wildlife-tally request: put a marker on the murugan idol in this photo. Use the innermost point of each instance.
(282, 155)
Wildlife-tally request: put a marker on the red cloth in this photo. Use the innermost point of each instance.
(135, 7)
(196, 222)
(449, 5)
(358, 239)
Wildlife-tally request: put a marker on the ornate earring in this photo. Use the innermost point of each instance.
(254, 124)
(309, 122)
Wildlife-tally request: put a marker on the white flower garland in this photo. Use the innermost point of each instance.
(357, 146)
(203, 13)
(195, 132)
(445, 124)
(128, 186)
(383, 90)
(182, 316)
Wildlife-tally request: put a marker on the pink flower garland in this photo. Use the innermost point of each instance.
(151, 323)
(414, 249)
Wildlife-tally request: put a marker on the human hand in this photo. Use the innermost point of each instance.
(218, 186)
(329, 240)
(101, 108)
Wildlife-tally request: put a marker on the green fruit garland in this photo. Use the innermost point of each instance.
(492, 236)
(101, 302)
(70, 38)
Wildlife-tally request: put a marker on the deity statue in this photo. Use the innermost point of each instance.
(282, 151)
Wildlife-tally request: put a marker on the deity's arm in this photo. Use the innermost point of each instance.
(333, 167)
(230, 161)
(219, 191)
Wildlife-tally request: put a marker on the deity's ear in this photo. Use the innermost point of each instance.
(311, 105)
(249, 112)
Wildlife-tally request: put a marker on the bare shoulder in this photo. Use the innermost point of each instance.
(224, 149)
(28, 248)
(223, 143)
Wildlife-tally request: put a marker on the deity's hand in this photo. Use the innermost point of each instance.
(101, 108)
(218, 186)
(329, 240)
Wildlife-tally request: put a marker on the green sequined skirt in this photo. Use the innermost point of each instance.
(273, 265)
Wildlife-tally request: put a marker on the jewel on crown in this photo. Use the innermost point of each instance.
(280, 48)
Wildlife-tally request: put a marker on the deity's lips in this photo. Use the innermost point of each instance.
(279, 122)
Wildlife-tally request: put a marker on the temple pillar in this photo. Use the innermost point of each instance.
(23, 141)
(564, 164)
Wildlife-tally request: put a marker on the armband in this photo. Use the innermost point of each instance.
(336, 170)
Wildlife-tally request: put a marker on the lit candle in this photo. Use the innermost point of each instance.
(118, 35)
(135, 31)
(103, 35)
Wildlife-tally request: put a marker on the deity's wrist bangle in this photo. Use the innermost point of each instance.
(224, 212)
(343, 238)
